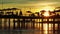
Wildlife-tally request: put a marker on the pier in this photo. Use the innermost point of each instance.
(11, 21)
(26, 19)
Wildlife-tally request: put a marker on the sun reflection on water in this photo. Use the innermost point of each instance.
(45, 27)
(37, 26)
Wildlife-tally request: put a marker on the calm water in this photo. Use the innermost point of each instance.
(37, 30)
(30, 28)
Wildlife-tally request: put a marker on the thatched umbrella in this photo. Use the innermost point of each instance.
(57, 9)
(29, 12)
(14, 8)
(42, 12)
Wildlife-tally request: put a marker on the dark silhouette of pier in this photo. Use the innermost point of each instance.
(19, 18)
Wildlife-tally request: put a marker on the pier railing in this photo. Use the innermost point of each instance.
(22, 21)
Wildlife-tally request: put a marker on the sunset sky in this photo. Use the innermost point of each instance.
(34, 4)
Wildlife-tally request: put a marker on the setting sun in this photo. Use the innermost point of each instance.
(46, 14)
(47, 8)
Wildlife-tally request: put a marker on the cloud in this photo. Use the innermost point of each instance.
(29, 3)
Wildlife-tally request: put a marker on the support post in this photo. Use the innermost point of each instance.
(14, 23)
(9, 23)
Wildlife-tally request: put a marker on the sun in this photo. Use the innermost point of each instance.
(48, 8)
(46, 14)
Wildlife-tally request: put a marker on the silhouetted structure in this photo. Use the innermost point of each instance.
(20, 13)
(23, 22)
(29, 12)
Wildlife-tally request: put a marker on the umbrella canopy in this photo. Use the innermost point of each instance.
(29, 12)
(14, 8)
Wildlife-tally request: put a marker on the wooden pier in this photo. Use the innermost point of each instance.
(24, 20)
(28, 22)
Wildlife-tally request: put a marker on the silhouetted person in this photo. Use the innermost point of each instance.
(57, 15)
(32, 15)
(17, 13)
(20, 14)
(1, 13)
(37, 13)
